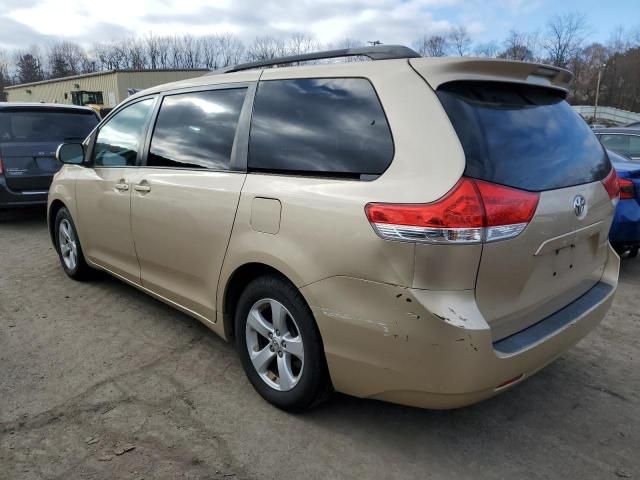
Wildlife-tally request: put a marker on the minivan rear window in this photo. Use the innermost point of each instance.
(45, 125)
(522, 136)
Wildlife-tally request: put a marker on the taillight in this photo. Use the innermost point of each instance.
(627, 189)
(1, 167)
(612, 185)
(471, 212)
(507, 210)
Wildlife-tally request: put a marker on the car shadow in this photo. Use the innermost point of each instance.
(23, 216)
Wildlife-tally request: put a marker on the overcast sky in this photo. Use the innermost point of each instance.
(26, 22)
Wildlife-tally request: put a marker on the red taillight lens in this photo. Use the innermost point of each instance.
(461, 207)
(506, 206)
(472, 212)
(611, 184)
(1, 167)
(627, 189)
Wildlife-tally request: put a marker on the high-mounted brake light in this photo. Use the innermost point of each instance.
(612, 185)
(473, 211)
(627, 189)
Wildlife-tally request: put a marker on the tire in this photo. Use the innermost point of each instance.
(293, 373)
(620, 248)
(68, 247)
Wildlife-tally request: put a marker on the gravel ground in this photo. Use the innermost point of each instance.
(98, 380)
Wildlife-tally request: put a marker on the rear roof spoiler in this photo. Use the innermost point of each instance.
(438, 71)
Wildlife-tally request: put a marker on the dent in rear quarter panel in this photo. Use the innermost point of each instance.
(384, 338)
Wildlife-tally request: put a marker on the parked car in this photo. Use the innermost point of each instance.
(29, 136)
(622, 140)
(400, 229)
(625, 231)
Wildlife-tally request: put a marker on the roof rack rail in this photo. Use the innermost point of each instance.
(379, 52)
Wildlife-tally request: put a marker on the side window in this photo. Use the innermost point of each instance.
(120, 139)
(617, 143)
(196, 130)
(320, 126)
(634, 146)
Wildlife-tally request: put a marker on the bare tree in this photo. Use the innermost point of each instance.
(164, 47)
(209, 50)
(66, 58)
(488, 49)
(175, 52)
(190, 48)
(432, 46)
(109, 56)
(564, 37)
(230, 50)
(266, 48)
(152, 50)
(619, 40)
(346, 43)
(519, 46)
(220, 50)
(135, 53)
(460, 40)
(300, 43)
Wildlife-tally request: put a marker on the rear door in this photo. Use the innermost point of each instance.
(184, 199)
(527, 137)
(29, 137)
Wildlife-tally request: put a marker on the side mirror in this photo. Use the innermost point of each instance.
(70, 153)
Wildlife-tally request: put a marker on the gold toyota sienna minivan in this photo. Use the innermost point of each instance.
(426, 231)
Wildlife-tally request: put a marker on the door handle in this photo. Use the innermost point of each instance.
(123, 187)
(142, 187)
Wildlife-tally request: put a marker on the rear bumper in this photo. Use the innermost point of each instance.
(434, 349)
(626, 224)
(13, 199)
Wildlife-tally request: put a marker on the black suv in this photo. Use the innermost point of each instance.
(29, 136)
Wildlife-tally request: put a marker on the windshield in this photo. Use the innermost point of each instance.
(45, 125)
(522, 136)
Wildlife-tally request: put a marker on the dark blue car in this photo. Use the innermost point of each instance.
(29, 136)
(625, 231)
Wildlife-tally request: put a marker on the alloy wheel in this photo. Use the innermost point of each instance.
(68, 244)
(275, 345)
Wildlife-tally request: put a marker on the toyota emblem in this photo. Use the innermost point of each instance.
(579, 206)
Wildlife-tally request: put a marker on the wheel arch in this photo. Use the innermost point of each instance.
(235, 285)
(54, 208)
